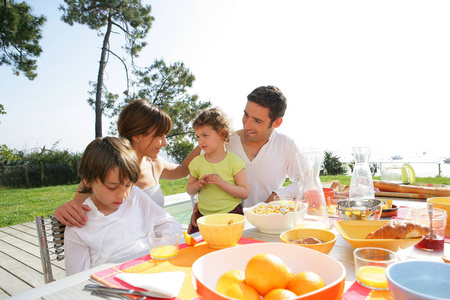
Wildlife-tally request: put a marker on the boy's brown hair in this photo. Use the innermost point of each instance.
(104, 154)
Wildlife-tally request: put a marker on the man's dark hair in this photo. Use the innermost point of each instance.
(270, 97)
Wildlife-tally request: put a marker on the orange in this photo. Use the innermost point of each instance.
(265, 272)
(305, 282)
(189, 239)
(241, 291)
(280, 294)
(228, 278)
(290, 274)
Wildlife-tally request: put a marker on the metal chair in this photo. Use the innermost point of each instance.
(50, 234)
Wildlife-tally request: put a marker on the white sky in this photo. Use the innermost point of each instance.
(372, 73)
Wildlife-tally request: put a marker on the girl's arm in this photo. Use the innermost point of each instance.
(194, 185)
(239, 190)
(173, 171)
(73, 213)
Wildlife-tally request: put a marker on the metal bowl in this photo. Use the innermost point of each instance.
(364, 210)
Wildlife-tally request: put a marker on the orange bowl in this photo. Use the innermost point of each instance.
(207, 269)
(328, 238)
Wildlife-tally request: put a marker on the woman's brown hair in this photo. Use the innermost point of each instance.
(142, 117)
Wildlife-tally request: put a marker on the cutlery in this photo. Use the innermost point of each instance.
(109, 290)
(446, 258)
(430, 215)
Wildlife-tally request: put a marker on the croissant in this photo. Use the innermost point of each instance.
(399, 229)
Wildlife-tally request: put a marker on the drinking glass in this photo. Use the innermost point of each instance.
(370, 266)
(439, 221)
(163, 243)
(332, 204)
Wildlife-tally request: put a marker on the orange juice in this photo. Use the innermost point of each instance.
(372, 276)
(164, 252)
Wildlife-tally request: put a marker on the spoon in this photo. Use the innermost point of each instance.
(446, 258)
(430, 215)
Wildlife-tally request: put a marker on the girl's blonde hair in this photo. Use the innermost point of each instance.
(104, 154)
(217, 119)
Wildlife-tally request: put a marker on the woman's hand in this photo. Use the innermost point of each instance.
(72, 213)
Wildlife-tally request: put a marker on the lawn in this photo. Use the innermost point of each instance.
(22, 205)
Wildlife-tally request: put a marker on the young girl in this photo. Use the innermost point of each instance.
(218, 176)
(121, 215)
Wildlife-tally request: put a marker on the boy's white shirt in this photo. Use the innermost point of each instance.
(109, 238)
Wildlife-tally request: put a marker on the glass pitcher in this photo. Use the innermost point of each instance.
(310, 205)
(361, 185)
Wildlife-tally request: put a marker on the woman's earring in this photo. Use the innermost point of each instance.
(137, 141)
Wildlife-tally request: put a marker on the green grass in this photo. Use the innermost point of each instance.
(22, 205)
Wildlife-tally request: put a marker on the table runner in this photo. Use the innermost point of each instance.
(145, 264)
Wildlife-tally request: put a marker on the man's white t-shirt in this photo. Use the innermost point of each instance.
(268, 171)
(110, 238)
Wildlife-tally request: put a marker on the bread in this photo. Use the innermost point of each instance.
(399, 229)
(411, 189)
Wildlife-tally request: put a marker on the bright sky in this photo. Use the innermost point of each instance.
(355, 73)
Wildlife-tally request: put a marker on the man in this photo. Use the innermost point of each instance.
(269, 156)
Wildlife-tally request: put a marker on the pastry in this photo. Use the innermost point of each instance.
(399, 229)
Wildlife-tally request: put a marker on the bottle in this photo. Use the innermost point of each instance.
(310, 205)
(361, 185)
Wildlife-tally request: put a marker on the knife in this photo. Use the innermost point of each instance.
(94, 287)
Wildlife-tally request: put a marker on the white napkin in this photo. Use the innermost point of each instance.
(159, 285)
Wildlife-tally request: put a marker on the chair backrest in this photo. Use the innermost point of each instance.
(50, 234)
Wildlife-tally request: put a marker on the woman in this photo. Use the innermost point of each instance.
(146, 127)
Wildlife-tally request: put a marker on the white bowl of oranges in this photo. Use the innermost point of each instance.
(268, 271)
(274, 217)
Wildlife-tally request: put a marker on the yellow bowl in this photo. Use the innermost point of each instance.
(443, 203)
(355, 232)
(216, 231)
(328, 238)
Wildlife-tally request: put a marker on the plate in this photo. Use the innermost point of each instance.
(355, 232)
(390, 212)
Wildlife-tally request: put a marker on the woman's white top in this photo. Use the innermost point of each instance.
(155, 192)
(109, 238)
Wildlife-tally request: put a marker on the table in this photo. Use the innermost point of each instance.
(71, 287)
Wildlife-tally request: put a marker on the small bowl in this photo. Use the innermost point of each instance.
(419, 280)
(360, 210)
(389, 212)
(328, 238)
(273, 223)
(207, 269)
(216, 231)
(355, 232)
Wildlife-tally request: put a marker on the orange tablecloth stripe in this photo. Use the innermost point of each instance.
(145, 264)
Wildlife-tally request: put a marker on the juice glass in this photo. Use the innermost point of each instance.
(164, 243)
(370, 266)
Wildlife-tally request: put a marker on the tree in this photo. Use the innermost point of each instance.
(128, 16)
(167, 87)
(332, 165)
(20, 32)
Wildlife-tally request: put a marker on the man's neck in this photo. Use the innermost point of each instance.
(251, 148)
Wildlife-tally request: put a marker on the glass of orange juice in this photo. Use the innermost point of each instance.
(370, 267)
(163, 243)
